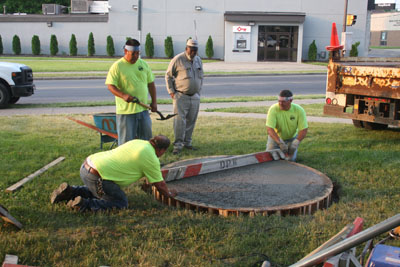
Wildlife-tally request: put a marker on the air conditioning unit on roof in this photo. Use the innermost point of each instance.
(51, 9)
(99, 7)
(80, 6)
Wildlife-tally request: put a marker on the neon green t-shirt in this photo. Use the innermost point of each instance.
(287, 123)
(132, 79)
(128, 163)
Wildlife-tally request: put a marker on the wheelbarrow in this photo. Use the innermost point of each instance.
(108, 123)
(106, 126)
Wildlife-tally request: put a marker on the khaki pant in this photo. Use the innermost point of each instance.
(187, 108)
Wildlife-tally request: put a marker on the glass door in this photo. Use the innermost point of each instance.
(277, 43)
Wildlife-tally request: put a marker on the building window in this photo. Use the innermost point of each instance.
(383, 41)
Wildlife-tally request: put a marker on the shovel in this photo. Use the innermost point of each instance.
(162, 118)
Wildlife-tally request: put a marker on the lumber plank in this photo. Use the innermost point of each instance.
(16, 186)
(8, 218)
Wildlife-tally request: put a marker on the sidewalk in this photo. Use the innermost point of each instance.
(262, 67)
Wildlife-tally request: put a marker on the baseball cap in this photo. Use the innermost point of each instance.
(192, 43)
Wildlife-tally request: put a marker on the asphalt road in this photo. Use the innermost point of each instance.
(59, 91)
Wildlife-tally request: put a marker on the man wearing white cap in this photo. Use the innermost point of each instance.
(184, 79)
(286, 125)
(128, 78)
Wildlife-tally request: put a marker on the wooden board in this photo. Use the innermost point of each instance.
(33, 175)
(8, 218)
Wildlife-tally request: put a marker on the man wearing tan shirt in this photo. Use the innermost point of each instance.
(184, 79)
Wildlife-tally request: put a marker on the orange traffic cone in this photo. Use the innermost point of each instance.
(335, 45)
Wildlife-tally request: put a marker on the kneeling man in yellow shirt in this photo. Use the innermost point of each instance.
(104, 173)
(286, 125)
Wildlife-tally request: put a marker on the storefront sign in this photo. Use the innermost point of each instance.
(241, 28)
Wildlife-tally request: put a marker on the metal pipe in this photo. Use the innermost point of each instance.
(140, 20)
(350, 242)
(344, 22)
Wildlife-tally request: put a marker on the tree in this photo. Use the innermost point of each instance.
(209, 47)
(91, 49)
(73, 49)
(110, 46)
(149, 46)
(35, 45)
(1, 46)
(16, 45)
(312, 51)
(30, 7)
(53, 45)
(169, 47)
(354, 49)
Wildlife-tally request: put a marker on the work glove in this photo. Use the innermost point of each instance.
(283, 146)
(293, 146)
(274, 154)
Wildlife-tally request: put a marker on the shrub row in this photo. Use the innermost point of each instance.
(312, 51)
(73, 50)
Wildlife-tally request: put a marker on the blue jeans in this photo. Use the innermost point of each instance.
(132, 126)
(271, 144)
(113, 196)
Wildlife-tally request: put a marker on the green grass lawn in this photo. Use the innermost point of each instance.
(310, 109)
(384, 47)
(77, 64)
(363, 164)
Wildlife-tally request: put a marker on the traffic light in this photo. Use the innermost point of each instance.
(351, 20)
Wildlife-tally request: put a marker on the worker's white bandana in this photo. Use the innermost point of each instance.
(132, 48)
(285, 98)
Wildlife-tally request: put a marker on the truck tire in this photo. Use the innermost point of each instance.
(374, 126)
(13, 100)
(358, 124)
(4, 96)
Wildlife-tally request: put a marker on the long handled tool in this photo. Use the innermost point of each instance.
(162, 118)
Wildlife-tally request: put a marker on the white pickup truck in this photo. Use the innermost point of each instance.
(16, 80)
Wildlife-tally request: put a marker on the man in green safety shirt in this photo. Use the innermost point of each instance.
(105, 173)
(286, 125)
(128, 78)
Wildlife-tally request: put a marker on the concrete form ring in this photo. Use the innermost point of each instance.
(321, 200)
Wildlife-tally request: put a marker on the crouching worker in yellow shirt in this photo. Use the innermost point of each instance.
(286, 125)
(104, 174)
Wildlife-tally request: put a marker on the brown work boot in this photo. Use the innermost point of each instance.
(76, 203)
(62, 193)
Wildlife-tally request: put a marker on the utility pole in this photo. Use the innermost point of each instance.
(344, 23)
(139, 23)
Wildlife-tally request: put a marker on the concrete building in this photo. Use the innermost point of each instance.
(385, 29)
(242, 31)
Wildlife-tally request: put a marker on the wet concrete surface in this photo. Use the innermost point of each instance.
(258, 186)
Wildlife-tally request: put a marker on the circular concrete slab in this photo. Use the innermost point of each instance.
(271, 187)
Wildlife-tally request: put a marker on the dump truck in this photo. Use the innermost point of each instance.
(366, 90)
